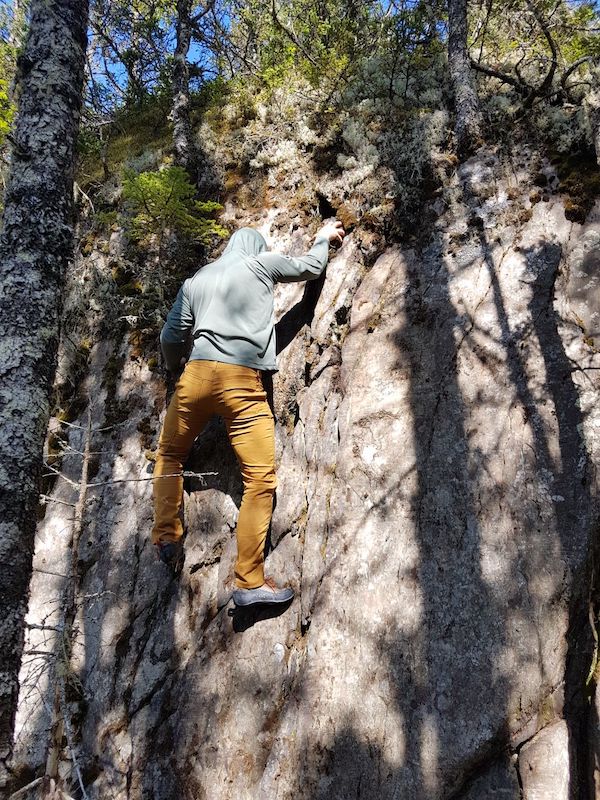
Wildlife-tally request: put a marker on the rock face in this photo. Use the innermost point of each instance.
(544, 764)
(437, 426)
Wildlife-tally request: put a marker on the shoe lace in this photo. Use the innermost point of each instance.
(270, 583)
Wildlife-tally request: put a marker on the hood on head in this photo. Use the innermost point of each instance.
(247, 241)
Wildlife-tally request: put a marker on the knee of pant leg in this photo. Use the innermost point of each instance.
(260, 481)
(170, 447)
(171, 456)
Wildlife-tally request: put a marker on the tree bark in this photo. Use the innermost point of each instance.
(185, 152)
(592, 107)
(133, 59)
(35, 245)
(467, 126)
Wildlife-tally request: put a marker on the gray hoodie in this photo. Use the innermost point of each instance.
(226, 308)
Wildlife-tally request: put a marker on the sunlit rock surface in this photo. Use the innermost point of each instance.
(438, 423)
(544, 764)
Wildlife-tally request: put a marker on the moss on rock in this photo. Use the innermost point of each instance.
(579, 177)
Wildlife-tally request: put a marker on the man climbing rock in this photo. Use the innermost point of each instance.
(226, 309)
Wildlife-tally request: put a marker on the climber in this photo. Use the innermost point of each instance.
(225, 312)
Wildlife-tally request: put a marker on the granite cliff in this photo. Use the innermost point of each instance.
(437, 430)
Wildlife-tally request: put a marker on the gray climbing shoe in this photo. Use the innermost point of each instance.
(267, 593)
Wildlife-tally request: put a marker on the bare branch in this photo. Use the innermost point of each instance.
(54, 471)
(76, 484)
(70, 737)
(574, 66)
(44, 498)
(184, 474)
(547, 82)
(94, 430)
(501, 76)
(49, 653)
(24, 790)
(291, 36)
(35, 626)
(78, 190)
(197, 17)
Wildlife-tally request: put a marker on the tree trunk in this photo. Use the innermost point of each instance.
(133, 58)
(35, 245)
(467, 126)
(592, 106)
(185, 153)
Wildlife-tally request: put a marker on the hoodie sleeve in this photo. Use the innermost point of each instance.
(175, 335)
(286, 269)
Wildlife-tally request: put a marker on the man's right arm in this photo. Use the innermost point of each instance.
(175, 335)
(287, 269)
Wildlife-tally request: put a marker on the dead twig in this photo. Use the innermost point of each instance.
(24, 790)
(184, 474)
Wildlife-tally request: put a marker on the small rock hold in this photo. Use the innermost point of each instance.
(279, 652)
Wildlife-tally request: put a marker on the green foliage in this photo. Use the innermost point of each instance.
(515, 38)
(105, 219)
(358, 85)
(164, 200)
(133, 133)
(211, 92)
(12, 30)
(581, 39)
(131, 51)
(322, 41)
(7, 110)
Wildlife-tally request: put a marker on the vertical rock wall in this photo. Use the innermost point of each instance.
(436, 514)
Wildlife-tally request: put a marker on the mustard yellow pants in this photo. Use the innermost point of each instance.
(236, 393)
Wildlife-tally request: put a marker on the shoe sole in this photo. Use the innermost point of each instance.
(262, 602)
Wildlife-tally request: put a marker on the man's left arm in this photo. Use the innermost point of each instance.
(175, 335)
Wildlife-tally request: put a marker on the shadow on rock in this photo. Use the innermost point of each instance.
(299, 315)
(244, 618)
